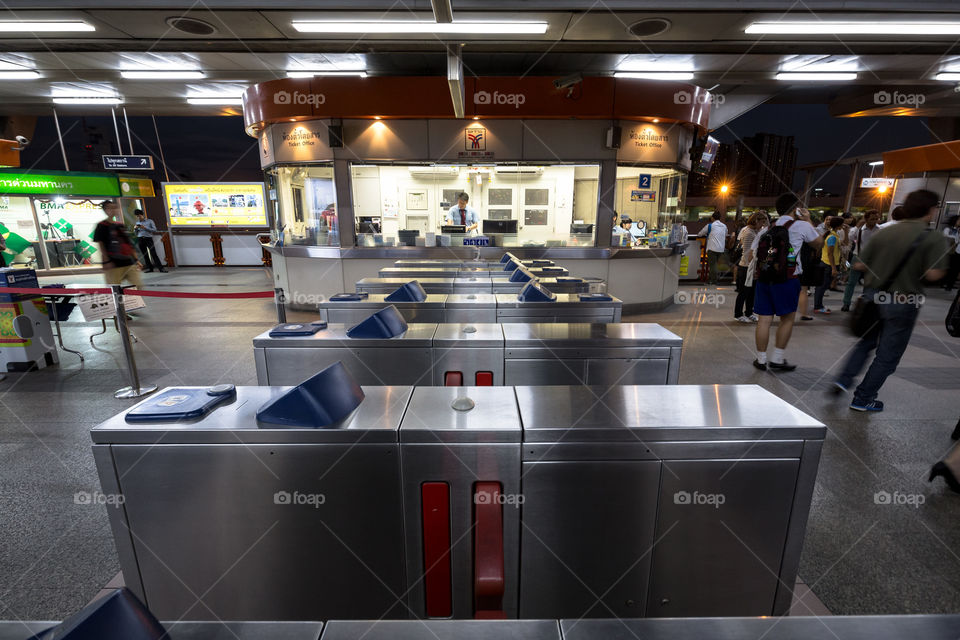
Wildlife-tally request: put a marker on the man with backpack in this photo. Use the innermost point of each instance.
(119, 255)
(777, 288)
(895, 263)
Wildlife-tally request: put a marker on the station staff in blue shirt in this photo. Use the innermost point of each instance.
(462, 213)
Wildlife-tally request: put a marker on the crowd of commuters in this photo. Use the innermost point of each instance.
(775, 264)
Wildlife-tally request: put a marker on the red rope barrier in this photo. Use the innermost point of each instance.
(57, 291)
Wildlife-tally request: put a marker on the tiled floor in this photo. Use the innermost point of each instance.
(56, 552)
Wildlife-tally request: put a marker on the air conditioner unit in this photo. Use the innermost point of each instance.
(519, 171)
(451, 172)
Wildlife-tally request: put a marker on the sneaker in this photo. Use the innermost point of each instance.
(824, 311)
(836, 388)
(754, 318)
(845, 308)
(744, 319)
(873, 405)
(760, 366)
(806, 317)
(781, 366)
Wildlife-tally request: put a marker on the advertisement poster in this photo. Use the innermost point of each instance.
(225, 204)
(643, 196)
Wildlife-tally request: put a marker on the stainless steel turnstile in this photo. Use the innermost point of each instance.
(472, 284)
(568, 307)
(267, 523)
(350, 312)
(468, 502)
(692, 500)
(478, 354)
(470, 307)
(443, 630)
(405, 359)
(545, 354)
(457, 272)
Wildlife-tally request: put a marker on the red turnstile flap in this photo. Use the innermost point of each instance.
(488, 573)
(435, 504)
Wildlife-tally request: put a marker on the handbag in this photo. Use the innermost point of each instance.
(953, 322)
(865, 314)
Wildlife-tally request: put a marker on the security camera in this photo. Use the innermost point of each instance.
(22, 143)
(568, 81)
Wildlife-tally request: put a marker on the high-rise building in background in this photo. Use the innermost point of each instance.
(760, 165)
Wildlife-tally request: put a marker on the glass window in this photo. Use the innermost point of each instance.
(513, 204)
(653, 198)
(306, 204)
(67, 225)
(19, 232)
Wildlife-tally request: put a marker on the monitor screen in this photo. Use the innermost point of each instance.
(581, 228)
(499, 226)
(223, 204)
(453, 228)
(705, 162)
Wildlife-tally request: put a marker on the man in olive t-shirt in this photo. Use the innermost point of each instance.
(899, 303)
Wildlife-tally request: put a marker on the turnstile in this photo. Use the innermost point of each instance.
(569, 501)
(473, 284)
(479, 354)
(470, 307)
(458, 272)
(598, 354)
(568, 307)
(443, 630)
(405, 359)
(351, 309)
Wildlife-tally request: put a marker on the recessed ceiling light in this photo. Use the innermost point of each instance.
(856, 28)
(385, 26)
(298, 73)
(655, 75)
(948, 75)
(656, 121)
(816, 77)
(162, 75)
(29, 26)
(19, 75)
(87, 100)
(226, 100)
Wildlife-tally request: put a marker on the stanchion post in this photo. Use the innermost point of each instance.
(134, 390)
(281, 301)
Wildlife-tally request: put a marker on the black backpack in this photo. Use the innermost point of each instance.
(773, 252)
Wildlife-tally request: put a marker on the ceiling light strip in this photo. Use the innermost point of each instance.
(855, 28)
(407, 27)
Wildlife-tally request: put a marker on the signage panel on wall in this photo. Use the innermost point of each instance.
(644, 181)
(643, 196)
(58, 183)
(224, 204)
(660, 144)
(136, 187)
(474, 139)
(127, 163)
(871, 183)
(295, 142)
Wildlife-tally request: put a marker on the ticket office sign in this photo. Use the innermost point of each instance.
(222, 204)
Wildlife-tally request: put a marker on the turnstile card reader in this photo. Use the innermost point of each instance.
(538, 305)
(181, 403)
(381, 325)
(320, 401)
(350, 309)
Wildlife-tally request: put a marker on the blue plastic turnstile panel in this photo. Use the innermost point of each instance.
(181, 404)
(297, 329)
(319, 401)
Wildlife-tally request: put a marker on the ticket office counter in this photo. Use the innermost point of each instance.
(552, 185)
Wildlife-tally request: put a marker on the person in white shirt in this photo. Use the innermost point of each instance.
(895, 216)
(716, 233)
(859, 238)
(781, 298)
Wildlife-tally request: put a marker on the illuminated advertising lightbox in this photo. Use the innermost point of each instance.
(223, 204)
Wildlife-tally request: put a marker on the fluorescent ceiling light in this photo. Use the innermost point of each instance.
(19, 26)
(655, 75)
(19, 75)
(815, 77)
(162, 75)
(856, 28)
(87, 100)
(948, 75)
(876, 163)
(226, 100)
(297, 73)
(460, 28)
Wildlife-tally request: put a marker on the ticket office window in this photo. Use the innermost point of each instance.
(652, 197)
(520, 205)
(305, 205)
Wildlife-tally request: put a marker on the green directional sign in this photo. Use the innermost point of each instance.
(58, 183)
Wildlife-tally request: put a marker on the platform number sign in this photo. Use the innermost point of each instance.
(645, 181)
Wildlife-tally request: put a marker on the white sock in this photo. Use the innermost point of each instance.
(777, 356)
(762, 357)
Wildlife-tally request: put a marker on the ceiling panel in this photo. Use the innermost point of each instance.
(152, 24)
